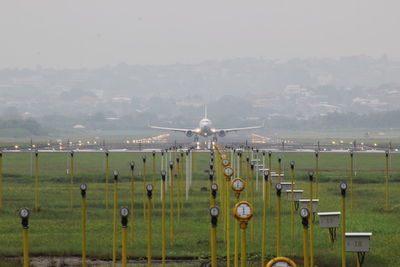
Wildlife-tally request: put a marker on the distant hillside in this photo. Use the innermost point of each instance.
(18, 128)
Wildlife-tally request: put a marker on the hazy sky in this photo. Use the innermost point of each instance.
(92, 33)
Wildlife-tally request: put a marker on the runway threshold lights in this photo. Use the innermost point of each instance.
(163, 175)
(124, 216)
(228, 171)
(149, 189)
(214, 212)
(83, 188)
(225, 162)
(132, 165)
(214, 187)
(243, 211)
(237, 186)
(211, 175)
(116, 173)
(281, 262)
(24, 214)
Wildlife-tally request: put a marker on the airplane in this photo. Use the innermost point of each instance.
(206, 130)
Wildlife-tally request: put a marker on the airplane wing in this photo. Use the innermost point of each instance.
(171, 129)
(239, 129)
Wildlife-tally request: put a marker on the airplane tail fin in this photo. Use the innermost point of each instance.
(205, 111)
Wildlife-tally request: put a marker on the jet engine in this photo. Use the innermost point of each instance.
(189, 133)
(221, 133)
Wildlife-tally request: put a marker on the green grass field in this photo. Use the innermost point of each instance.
(56, 229)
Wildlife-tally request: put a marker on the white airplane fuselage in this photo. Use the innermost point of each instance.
(205, 128)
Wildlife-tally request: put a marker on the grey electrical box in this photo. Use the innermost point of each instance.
(297, 194)
(329, 219)
(287, 186)
(305, 203)
(358, 242)
(275, 179)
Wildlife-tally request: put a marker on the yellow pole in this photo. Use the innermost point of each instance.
(252, 199)
(305, 244)
(224, 204)
(279, 169)
(26, 246)
(149, 228)
(124, 245)
(124, 221)
(171, 203)
(211, 178)
(278, 220)
(181, 180)
(247, 177)
(351, 179)
(153, 175)
(194, 161)
(387, 181)
(71, 176)
(220, 182)
(264, 220)
(228, 241)
(270, 183)
(107, 170)
(1, 180)
(214, 246)
(292, 202)
(132, 165)
(163, 235)
(214, 196)
(114, 251)
(214, 218)
(343, 223)
(236, 257)
(37, 205)
(24, 214)
(316, 173)
(310, 220)
(179, 187)
(243, 258)
(83, 193)
(240, 164)
(153, 178)
(144, 188)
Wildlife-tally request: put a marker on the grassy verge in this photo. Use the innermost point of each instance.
(55, 230)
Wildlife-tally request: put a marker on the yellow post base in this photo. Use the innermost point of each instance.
(26, 247)
(124, 245)
(305, 247)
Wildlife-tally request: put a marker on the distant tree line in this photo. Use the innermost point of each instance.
(331, 121)
(390, 119)
(30, 125)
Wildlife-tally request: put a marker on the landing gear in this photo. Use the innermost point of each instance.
(214, 139)
(196, 138)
